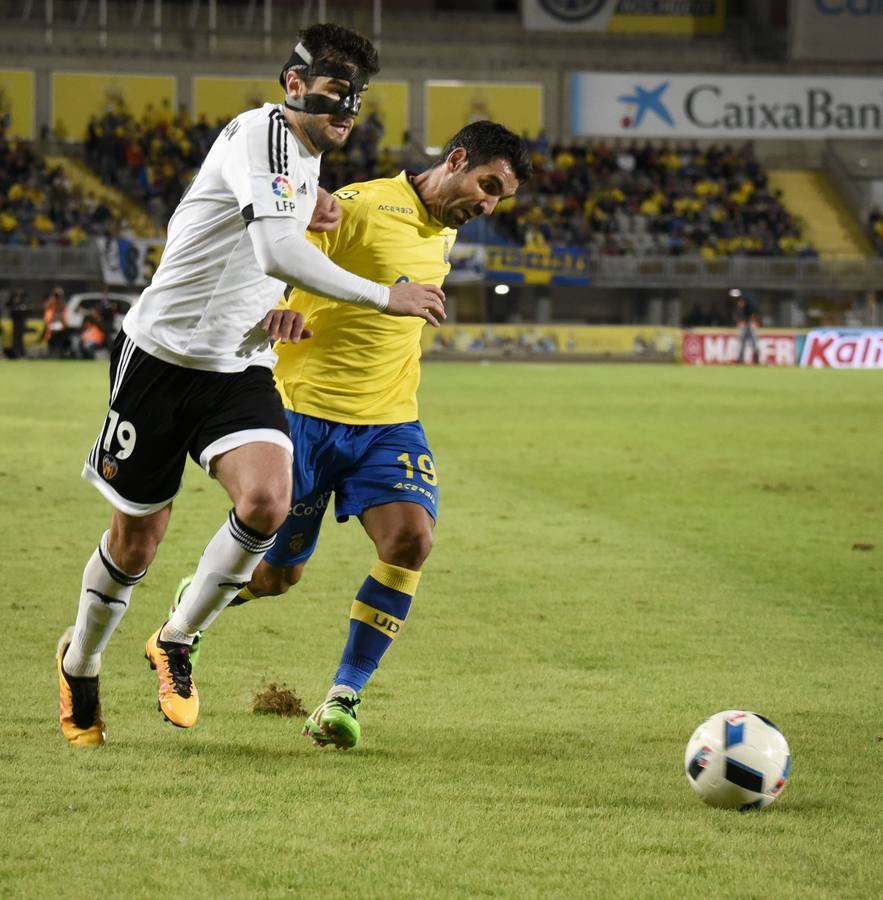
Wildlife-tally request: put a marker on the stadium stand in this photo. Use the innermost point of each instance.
(151, 159)
(654, 199)
(39, 205)
(826, 220)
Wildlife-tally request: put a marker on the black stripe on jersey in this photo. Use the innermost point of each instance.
(248, 213)
(276, 142)
(279, 127)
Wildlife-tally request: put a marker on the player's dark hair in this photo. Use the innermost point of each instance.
(331, 43)
(486, 141)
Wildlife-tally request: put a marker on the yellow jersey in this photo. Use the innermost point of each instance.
(361, 366)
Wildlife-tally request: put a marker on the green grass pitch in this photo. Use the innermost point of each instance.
(622, 551)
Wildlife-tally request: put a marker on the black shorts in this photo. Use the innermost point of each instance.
(160, 412)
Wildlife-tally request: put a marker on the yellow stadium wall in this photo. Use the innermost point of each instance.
(77, 96)
(449, 105)
(17, 102)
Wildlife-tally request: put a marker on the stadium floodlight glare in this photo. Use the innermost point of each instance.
(501, 289)
(735, 292)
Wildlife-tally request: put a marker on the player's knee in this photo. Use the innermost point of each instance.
(133, 551)
(134, 557)
(408, 547)
(263, 510)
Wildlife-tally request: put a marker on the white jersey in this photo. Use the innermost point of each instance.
(208, 296)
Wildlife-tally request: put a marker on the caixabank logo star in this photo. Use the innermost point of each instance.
(642, 101)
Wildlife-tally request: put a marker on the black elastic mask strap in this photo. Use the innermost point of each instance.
(320, 105)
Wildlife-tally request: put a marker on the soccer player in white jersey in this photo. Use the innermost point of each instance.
(191, 370)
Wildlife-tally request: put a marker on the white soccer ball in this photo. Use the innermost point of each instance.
(737, 760)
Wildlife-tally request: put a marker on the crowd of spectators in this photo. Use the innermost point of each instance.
(652, 199)
(38, 206)
(630, 199)
(154, 158)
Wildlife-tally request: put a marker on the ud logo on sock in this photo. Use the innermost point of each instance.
(109, 467)
(386, 624)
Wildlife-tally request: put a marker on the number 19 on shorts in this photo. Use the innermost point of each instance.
(424, 464)
(124, 432)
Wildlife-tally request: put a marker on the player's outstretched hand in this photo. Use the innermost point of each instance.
(326, 215)
(285, 325)
(426, 301)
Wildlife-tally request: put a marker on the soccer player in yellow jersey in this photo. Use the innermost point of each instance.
(350, 394)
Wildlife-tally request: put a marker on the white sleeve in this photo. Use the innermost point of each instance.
(257, 169)
(284, 253)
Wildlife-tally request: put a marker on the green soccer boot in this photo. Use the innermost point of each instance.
(334, 722)
(197, 641)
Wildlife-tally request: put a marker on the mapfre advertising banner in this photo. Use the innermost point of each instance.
(720, 347)
(843, 349)
(626, 16)
(836, 30)
(643, 104)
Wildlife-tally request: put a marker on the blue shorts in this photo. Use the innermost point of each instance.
(362, 465)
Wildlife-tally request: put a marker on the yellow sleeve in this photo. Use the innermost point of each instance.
(349, 231)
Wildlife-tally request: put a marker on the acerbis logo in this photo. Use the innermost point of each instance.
(645, 100)
(282, 187)
(573, 10)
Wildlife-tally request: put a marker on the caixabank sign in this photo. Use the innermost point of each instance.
(642, 104)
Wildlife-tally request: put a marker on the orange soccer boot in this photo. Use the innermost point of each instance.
(178, 697)
(79, 709)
